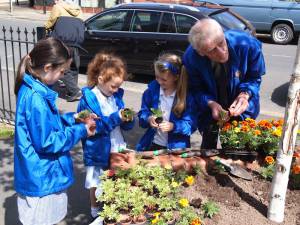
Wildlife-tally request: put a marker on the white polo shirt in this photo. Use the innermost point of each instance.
(165, 104)
(108, 106)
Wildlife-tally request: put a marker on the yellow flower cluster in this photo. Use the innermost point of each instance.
(183, 202)
(190, 180)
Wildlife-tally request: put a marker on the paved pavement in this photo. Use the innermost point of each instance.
(78, 213)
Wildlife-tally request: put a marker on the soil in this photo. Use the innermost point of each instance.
(241, 202)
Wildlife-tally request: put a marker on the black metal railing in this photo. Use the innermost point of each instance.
(14, 44)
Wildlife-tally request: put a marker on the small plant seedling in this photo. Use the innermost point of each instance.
(210, 208)
(127, 114)
(223, 117)
(84, 114)
(158, 114)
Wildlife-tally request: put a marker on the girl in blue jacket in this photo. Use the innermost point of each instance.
(43, 167)
(103, 96)
(169, 94)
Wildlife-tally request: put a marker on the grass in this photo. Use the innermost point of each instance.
(6, 131)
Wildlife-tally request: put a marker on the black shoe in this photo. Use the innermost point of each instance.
(75, 97)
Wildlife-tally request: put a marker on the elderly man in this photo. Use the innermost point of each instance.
(225, 72)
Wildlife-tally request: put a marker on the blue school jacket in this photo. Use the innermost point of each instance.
(43, 139)
(184, 126)
(245, 67)
(96, 149)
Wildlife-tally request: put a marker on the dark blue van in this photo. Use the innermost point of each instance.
(280, 18)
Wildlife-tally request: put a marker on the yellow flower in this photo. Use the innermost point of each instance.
(154, 221)
(269, 160)
(298, 131)
(190, 180)
(237, 130)
(277, 132)
(156, 214)
(184, 202)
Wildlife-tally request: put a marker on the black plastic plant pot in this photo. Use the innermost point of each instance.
(244, 155)
(158, 120)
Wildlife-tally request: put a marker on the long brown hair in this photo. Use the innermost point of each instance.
(107, 66)
(46, 51)
(177, 69)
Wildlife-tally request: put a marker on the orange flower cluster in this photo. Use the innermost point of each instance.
(296, 169)
(196, 222)
(263, 135)
(269, 160)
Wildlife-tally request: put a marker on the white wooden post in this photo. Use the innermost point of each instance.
(287, 146)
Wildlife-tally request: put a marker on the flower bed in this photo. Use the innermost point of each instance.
(150, 195)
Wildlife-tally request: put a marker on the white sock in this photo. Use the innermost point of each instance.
(95, 211)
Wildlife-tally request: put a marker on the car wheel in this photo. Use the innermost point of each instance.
(282, 33)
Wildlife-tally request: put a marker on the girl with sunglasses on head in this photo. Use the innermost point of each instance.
(43, 168)
(168, 94)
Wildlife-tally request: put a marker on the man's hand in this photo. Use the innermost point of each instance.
(240, 104)
(166, 126)
(216, 110)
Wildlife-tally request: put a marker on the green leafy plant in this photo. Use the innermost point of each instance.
(84, 114)
(223, 117)
(110, 212)
(210, 208)
(158, 114)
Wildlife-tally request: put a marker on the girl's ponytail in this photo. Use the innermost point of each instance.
(23, 66)
(181, 90)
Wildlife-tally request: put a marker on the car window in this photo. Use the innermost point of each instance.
(114, 21)
(145, 21)
(167, 24)
(184, 23)
(228, 21)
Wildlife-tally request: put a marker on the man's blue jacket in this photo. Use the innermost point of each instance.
(245, 67)
(184, 126)
(43, 139)
(96, 149)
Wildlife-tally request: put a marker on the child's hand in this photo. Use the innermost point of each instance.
(91, 128)
(166, 126)
(151, 120)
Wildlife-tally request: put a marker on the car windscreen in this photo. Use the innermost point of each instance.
(227, 20)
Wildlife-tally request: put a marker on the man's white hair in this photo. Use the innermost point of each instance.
(204, 31)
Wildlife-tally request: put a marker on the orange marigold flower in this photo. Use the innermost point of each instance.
(296, 169)
(275, 123)
(280, 122)
(196, 221)
(296, 154)
(268, 125)
(245, 128)
(245, 123)
(262, 123)
(269, 160)
(252, 125)
(257, 132)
